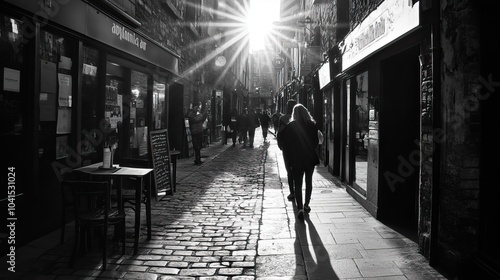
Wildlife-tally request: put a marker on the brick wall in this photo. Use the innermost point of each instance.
(459, 188)
(160, 24)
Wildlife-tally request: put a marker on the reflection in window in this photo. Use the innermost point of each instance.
(361, 130)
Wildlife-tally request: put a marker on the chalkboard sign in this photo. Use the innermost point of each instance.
(189, 138)
(160, 154)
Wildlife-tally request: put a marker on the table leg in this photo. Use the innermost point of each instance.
(148, 206)
(138, 192)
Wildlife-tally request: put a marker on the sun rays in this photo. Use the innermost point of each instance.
(237, 31)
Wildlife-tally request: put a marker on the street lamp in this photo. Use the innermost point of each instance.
(307, 21)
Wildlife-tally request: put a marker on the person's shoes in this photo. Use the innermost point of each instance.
(301, 214)
(290, 196)
(233, 145)
(307, 209)
(251, 146)
(198, 162)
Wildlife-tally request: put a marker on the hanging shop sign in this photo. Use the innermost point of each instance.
(391, 20)
(324, 75)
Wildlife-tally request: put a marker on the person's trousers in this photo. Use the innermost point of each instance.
(298, 176)
(233, 136)
(251, 135)
(197, 144)
(243, 136)
(264, 131)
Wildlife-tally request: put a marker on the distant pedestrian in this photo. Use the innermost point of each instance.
(299, 140)
(196, 119)
(283, 121)
(232, 127)
(253, 124)
(264, 120)
(243, 124)
(276, 119)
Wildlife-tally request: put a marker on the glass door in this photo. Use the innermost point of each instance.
(138, 103)
(159, 114)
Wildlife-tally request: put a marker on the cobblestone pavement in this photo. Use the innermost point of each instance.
(229, 219)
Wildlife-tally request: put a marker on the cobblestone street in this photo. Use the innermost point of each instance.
(229, 219)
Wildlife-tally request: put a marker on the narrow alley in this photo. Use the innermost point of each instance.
(229, 219)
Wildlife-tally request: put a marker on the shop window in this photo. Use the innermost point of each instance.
(11, 53)
(123, 9)
(56, 94)
(177, 7)
(193, 16)
(89, 103)
(360, 117)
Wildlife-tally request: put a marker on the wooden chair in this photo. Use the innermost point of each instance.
(93, 209)
(129, 183)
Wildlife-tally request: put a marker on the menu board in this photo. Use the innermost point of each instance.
(160, 154)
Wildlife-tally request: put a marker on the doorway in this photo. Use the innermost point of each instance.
(399, 140)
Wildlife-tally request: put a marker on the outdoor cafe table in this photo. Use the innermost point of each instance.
(122, 171)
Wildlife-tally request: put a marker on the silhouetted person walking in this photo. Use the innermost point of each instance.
(299, 139)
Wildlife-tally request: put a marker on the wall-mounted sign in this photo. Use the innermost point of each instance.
(324, 75)
(391, 20)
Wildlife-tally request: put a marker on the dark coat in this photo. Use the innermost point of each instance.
(299, 142)
(233, 120)
(264, 120)
(196, 123)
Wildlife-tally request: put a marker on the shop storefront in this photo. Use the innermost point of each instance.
(372, 113)
(74, 81)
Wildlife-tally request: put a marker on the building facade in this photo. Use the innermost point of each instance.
(82, 75)
(405, 94)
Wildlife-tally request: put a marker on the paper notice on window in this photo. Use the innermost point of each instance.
(48, 77)
(65, 63)
(64, 90)
(11, 79)
(63, 120)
